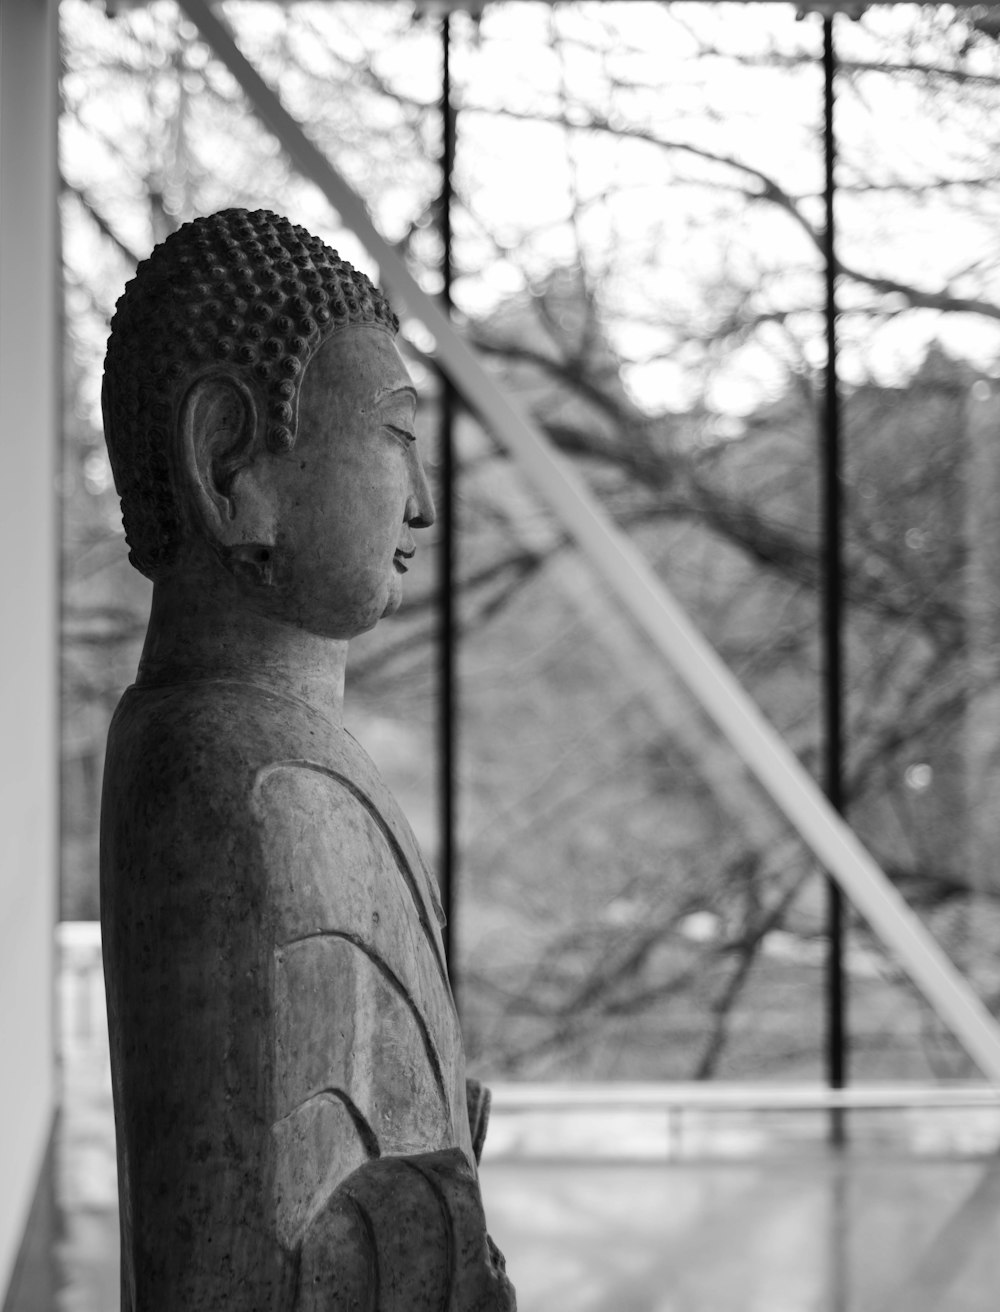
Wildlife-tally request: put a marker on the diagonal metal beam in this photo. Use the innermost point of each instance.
(639, 591)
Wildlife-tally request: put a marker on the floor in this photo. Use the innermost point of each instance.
(849, 1235)
(774, 1222)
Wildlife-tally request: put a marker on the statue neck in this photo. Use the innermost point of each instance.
(208, 633)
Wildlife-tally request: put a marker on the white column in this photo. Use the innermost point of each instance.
(28, 688)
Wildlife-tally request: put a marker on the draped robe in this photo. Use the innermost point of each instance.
(287, 1066)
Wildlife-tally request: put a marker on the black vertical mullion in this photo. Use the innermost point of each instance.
(832, 599)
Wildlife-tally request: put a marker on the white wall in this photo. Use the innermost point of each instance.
(28, 416)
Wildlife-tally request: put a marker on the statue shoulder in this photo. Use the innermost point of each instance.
(220, 763)
(215, 723)
(211, 735)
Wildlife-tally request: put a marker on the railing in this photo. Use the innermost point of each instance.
(744, 1097)
(81, 1014)
(703, 1122)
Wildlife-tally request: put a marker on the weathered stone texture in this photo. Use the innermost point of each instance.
(292, 1111)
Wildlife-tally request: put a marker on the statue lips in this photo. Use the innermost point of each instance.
(402, 554)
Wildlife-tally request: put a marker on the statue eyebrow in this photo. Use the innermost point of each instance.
(393, 392)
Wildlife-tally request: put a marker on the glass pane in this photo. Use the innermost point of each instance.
(636, 213)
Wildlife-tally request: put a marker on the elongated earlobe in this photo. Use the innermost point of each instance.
(223, 469)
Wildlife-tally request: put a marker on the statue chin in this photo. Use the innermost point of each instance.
(395, 598)
(336, 619)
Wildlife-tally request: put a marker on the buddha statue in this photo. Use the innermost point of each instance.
(295, 1129)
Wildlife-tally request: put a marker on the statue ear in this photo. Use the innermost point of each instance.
(222, 468)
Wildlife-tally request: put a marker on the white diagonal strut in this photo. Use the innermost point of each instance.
(640, 591)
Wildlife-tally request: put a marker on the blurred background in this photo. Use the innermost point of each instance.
(627, 211)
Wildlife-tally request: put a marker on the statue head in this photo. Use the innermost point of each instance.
(247, 295)
(238, 333)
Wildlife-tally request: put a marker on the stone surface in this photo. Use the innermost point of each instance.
(292, 1113)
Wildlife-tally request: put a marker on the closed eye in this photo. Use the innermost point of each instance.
(403, 434)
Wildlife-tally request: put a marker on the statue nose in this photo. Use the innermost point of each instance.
(419, 504)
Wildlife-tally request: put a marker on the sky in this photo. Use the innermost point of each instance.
(679, 258)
